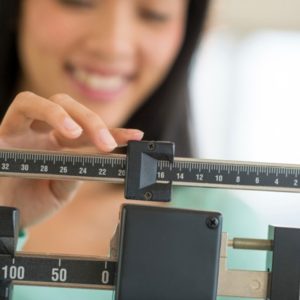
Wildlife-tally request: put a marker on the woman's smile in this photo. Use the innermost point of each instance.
(98, 84)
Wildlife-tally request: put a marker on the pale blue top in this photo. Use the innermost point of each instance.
(239, 220)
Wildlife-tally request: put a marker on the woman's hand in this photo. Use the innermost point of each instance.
(57, 123)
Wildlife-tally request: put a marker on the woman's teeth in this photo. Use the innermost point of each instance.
(98, 82)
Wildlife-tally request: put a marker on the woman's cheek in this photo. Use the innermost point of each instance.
(50, 29)
(161, 49)
(56, 36)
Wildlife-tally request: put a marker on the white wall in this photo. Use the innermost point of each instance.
(257, 14)
(246, 94)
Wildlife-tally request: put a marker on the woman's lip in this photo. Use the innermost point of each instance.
(101, 69)
(97, 86)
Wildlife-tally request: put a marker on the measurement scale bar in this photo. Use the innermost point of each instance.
(60, 271)
(183, 171)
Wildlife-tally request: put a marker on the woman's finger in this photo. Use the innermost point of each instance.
(121, 136)
(93, 126)
(28, 107)
(72, 124)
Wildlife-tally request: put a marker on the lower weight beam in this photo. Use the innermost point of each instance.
(161, 254)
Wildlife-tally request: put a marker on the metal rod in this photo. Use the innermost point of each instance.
(251, 244)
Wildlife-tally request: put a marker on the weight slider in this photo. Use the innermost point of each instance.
(141, 170)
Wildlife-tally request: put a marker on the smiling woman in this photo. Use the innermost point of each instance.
(99, 52)
(89, 67)
(128, 57)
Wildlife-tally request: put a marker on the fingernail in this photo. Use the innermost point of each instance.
(136, 134)
(107, 139)
(72, 126)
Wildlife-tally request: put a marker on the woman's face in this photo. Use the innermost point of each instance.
(107, 54)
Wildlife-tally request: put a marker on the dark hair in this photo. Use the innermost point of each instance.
(164, 116)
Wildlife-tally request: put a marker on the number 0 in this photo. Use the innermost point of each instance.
(105, 277)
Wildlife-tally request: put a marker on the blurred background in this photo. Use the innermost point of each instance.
(246, 92)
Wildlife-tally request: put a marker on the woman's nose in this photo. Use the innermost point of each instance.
(114, 35)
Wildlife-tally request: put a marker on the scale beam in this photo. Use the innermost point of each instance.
(176, 171)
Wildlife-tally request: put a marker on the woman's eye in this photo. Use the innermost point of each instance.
(154, 16)
(84, 3)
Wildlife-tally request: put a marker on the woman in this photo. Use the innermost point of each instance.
(95, 65)
(92, 68)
